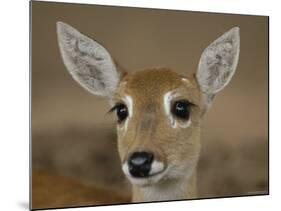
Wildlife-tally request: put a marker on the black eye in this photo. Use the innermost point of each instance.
(121, 111)
(181, 109)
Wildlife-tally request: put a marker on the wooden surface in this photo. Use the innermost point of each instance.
(52, 191)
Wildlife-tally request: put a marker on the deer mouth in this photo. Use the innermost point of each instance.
(155, 174)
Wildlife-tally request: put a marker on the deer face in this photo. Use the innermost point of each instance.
(158, 110)
(158, 115)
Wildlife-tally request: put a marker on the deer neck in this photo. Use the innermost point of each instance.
(176, 189)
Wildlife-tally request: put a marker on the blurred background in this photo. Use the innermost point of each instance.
(74, 152)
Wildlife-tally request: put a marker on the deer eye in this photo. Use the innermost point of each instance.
(121, 111)
(181, 109)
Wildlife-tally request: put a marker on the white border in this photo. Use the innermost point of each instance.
(14, 86)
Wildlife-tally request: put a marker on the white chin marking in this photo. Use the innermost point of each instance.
(156, 167)
(146, 181)
(168, 97)
(156, 173)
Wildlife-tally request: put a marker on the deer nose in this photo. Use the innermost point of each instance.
(140, 164)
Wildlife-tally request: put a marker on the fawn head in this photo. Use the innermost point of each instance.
(158, 110)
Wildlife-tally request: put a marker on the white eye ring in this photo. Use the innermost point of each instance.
(167, 101)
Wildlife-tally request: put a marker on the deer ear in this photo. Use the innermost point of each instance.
(218, 63)
(87, 61)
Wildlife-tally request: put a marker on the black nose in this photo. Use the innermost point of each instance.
(140, 164)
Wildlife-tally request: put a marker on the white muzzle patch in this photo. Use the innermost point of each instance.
(156, 172)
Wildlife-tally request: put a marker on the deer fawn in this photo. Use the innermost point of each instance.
(159, 111)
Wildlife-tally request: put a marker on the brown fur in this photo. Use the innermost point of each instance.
(149, 128)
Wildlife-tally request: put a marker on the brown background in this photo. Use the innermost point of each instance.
(72, 135)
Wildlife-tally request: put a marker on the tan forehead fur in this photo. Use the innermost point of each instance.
(150, 84)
